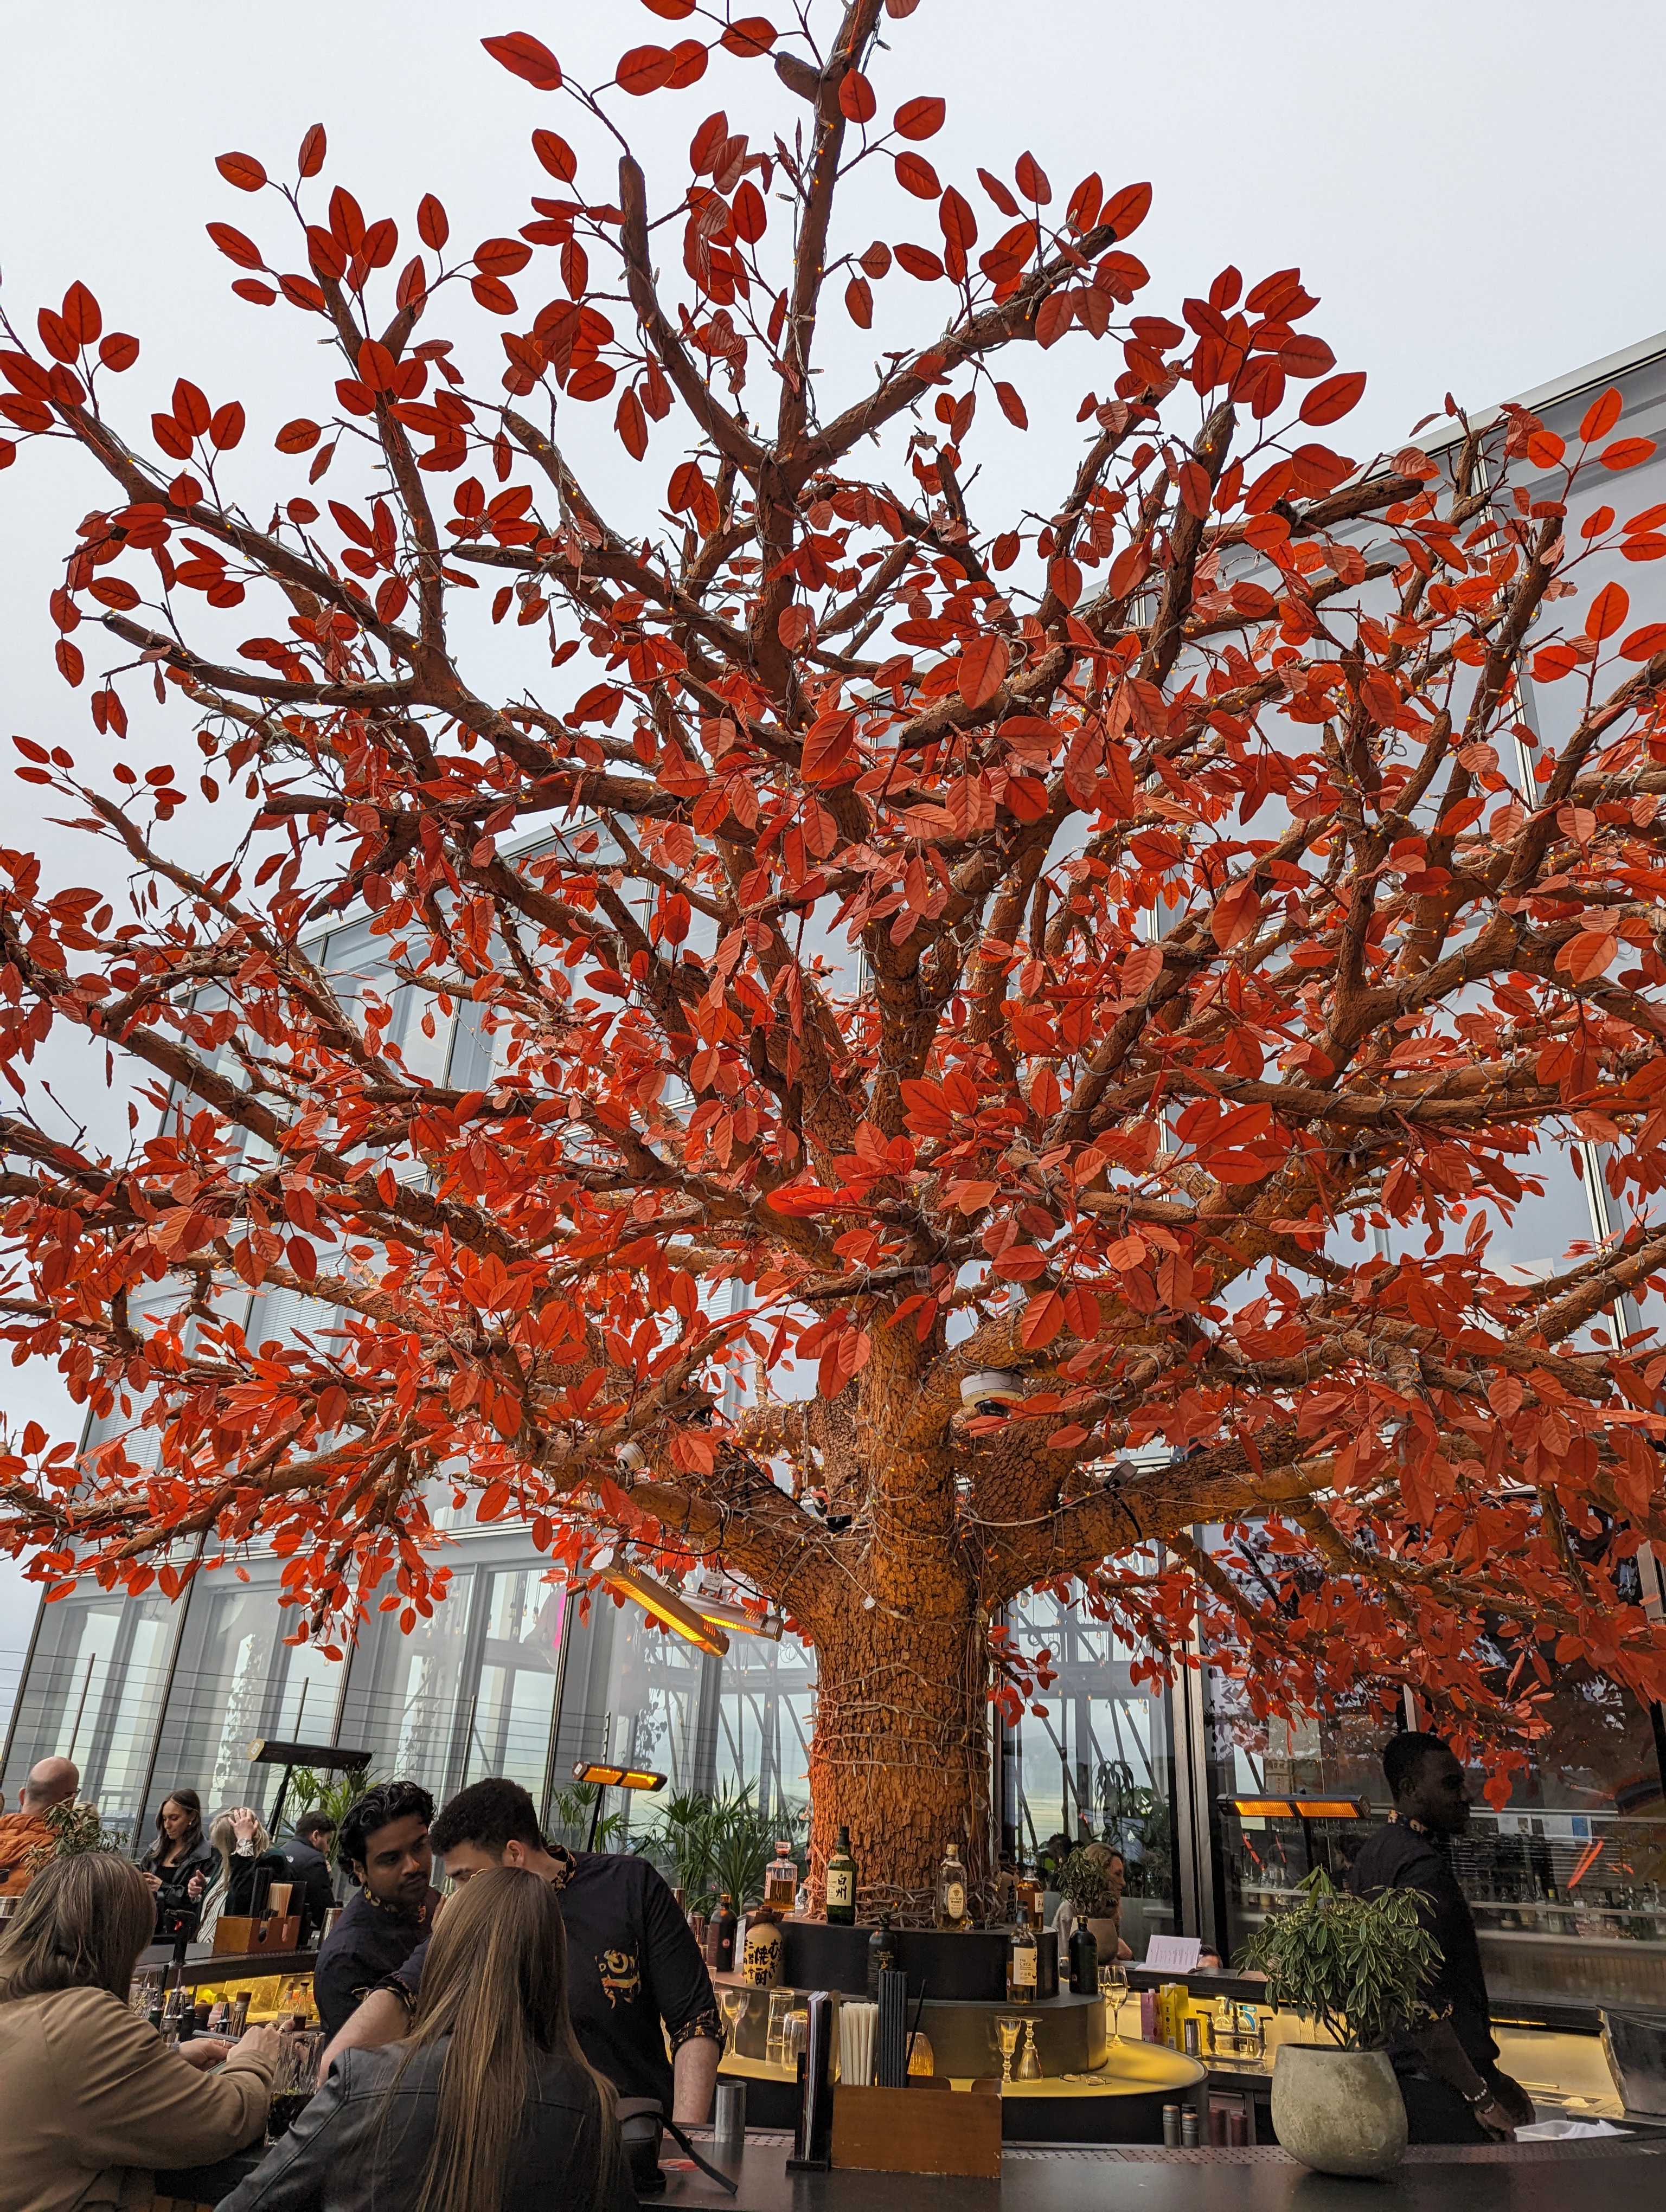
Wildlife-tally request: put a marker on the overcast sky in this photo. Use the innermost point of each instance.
(1474, 190)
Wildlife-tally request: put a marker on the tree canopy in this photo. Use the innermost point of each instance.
(1137, 944)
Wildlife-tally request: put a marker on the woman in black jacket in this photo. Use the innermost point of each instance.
(179, 1863)
(488, 2107)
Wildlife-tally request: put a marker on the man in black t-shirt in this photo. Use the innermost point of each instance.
(385, 1847)
(636, 1978)
(1448, 2072)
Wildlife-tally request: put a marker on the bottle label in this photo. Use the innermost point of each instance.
(1024, 1968)
(841, 1886)
(954, 1900)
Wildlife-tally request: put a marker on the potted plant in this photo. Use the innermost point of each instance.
(1084, 1884)
(1354, 1967)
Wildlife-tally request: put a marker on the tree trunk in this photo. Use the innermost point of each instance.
(900, 1753)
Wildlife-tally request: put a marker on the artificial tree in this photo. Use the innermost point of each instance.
(1065, 941)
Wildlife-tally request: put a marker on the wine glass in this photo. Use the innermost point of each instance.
(1114, 1988)
(1007, 2032)
(732, 2004)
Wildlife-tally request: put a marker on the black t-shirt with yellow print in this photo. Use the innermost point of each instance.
(631, 1963)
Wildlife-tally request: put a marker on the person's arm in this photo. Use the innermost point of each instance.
(1447, 2061)
(137, 2103)
(291, 2177)
(682, 1989)
(693, 2076)
(384, 2017)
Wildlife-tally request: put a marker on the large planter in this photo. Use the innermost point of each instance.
(1339, 2112)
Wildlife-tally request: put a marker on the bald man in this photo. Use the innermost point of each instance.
(25, 1840)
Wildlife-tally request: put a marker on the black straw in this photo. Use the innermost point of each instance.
(908, 2055)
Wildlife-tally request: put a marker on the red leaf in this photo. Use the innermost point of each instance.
(56, 337)
(497, 299)
(235, 247)
(523, 56)
(1124, 212)
(1601, 416)
(1336, 396)
(688, 65)
(1064, 579)
(631, 424)
(433, 226)
(672, 11)
(1044, 1317)
(1235, 914)
(915, 174)
(643, 70)
(1011, 406)
(959, 223)
(555, 155)
(310, 159)
(920, 119)
(1608, 610)
(748, 212)
(1054, 317)
(502, 257)
(856, 101)
(1626, 453)
(594, 381)
(1545, 448)
(1644, 644)
(81, 313)
(752, 36)
(982, 670)
(241, 170)
(920, 262)
(70, 664)
(1032, 180)
(858, 302)
(226, 426)
(830, 746)
(297, 437)
(251, 287)
(1306, 355)
(119, 351)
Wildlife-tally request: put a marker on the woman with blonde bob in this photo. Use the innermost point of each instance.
(488, 2105)
(91, 2098)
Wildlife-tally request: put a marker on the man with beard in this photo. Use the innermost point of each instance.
(383, 1844)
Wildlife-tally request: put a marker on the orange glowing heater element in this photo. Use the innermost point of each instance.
(668, 1606)
(617, 1777)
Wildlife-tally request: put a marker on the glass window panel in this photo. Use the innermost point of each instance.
(94, 1694)
(512, 1703)
(766, 1713)
(1100, 1764)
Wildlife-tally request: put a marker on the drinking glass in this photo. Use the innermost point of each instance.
(1007, 2032)
(775, 2046)
(732, 2004)
(1114, 1988)
(295, 2077)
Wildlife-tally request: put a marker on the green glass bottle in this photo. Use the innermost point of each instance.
(841, 1884)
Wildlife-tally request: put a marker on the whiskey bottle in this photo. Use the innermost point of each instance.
(1021, 1962)
(951, 1911)
(780, 1880)
(841, 1884)
(719, 1938)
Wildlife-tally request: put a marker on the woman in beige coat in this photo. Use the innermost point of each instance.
(91, 2098)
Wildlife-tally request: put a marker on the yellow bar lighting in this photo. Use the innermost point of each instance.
(1261, 1808)
(669, 1606)
(1297, 1808)
(1330, 1808)
(619, 1777)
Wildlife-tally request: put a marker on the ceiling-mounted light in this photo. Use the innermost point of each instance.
(990, 1390)
(666, 1605)
(631, 1455)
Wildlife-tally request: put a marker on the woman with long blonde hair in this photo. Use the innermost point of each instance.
(91, 2098)
(487, 2106)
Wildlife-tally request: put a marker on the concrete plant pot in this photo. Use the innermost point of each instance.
(1338, 2112)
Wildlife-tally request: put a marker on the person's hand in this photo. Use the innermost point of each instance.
(260, 2042)
(1510, 2095)
(245, 1820)
(194, 1888)
(152, 1882)
(1494, 2120)
(203, 2051)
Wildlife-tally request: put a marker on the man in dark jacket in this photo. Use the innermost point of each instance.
(301, 1860)
(385, 1848)
(1449, 2071)
(635, 1978)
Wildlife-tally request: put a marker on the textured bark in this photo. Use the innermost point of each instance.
(901, 1752)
